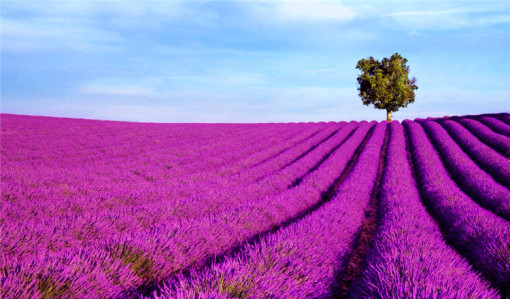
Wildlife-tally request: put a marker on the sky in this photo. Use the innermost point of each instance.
(247, 61)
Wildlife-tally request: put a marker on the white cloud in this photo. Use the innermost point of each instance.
(450, 16)
(261, 105)
(432, 19)
(80, 25)
(84, 8)
(314, 11)
(51, 33)
(429, 12)
(236, 70)
(494, 20)
(411, 15)
(286, 11)
(116, 90)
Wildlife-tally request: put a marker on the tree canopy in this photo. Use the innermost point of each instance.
(386, 84)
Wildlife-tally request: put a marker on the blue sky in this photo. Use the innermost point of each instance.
(247, 61)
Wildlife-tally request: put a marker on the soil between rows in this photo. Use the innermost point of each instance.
(150, 288)
(352, 269)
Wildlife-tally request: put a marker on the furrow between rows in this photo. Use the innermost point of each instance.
(286, 148)
(495, 124)
(233, 155)
(368, 228)
(266, 152)
(303, 257)
(473, 181)
(504, 117)
(298, 181)
(488, 159)
(499, 142)
(168, 248)
(295, 155)
(479, 235)
(216, 199)
(408, 257)
(264, 216)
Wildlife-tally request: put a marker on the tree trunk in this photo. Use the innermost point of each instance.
(388, 115)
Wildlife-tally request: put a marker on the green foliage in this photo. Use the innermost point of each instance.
(50, 289)
(140, 262)
(386, 84)
(236, 289)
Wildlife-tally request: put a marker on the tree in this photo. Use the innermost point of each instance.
(386, 84)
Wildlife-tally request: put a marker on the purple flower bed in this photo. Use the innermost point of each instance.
(488, 159)
(230, 191)
(470, 177)
(408, 258)
(505, 117)
(477, 233)
(103, 209)
(300, 259)
(495, 124)
(499, 142)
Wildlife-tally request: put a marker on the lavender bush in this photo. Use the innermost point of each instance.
(497, 141)
(475, 232)
(495, 124)
(103, 209)
(301, 259)
(488, 159)
(470, 177)
(408, 258)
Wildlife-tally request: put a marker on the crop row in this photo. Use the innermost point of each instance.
(267, 179)
(484, 156)
(299, 260)
(408, 258)
(477, 233)
(110, 209)
(473, 180)
(222, 232)
(497, 141)
(130, 257)
(495, 124)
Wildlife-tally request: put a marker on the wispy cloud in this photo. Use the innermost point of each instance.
(497, 19)
(442, 12)
(80, 25)
(83, 8)
(54, 33)
(447, 16)
(287, 12)
(128, 90)
(246, 61)
(313, 11)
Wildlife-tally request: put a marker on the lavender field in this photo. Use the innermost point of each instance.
(105, 209)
